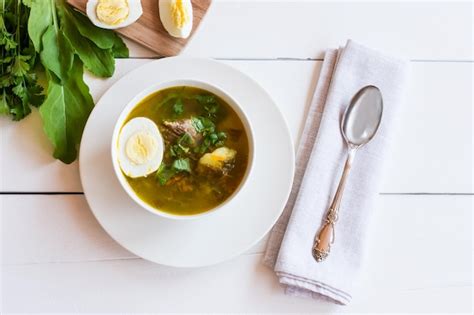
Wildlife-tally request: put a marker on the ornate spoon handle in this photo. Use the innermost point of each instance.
(326, 235)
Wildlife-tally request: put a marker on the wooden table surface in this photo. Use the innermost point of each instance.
(56, 257)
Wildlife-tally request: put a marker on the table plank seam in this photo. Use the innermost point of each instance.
(306, 59)
(256, 253)
(7, 193)
(71, 261)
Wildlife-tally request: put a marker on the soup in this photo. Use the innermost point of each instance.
(206, 151)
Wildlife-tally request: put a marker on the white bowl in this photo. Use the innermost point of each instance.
(136, 100)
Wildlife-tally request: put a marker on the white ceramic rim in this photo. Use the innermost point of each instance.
(212, 88)
(212, 239)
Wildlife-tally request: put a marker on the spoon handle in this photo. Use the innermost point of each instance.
(326, 235)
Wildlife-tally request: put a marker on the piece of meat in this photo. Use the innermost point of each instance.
(174, 129)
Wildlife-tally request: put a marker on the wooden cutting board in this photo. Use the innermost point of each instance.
(148, 30)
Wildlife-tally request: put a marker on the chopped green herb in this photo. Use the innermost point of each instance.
(168, 98)
(209, 103)
(204, 99)
(182, 165)
(197, 124)
(185, 139)
(207, 128)
(178, 107)
(165, 172)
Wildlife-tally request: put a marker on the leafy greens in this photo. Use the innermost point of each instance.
(48, 38)
(19, 88)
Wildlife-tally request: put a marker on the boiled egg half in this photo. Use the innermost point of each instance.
(140, 147)
(177, 17)
(113, 14)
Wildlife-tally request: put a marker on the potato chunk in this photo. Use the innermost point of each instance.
(218, 158)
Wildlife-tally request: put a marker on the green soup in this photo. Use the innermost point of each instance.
(206, 151)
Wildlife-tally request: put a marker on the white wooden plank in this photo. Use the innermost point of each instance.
(416, 243)
(418, 260)
(242, 285)
(275, 29)
(431, 153)
(432, 149)
(57, 228)
(53, 228)
(420, 242)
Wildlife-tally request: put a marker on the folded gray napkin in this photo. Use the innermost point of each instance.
(320, 160)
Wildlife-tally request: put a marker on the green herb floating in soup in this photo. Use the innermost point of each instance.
(206, 151)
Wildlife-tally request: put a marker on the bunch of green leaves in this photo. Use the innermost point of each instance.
(65, 42)
(19, 88)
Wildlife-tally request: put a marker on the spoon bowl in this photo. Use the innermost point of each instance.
(362, 118)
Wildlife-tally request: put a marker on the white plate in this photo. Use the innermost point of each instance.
(210, 239)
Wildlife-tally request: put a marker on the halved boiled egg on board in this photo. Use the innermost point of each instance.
(177, 17)
(113, 14)
(140, 147)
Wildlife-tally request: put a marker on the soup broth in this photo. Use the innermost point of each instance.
(206, 151)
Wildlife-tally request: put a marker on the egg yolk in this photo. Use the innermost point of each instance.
(141, 147)
(112, 12)
(179, 14)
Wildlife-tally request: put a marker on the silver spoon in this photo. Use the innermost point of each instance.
(359, 125)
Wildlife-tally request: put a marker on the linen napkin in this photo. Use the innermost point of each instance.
(320, 160)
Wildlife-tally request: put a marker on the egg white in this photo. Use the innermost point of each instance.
(135, 11)
(135, 125)
(165, 8)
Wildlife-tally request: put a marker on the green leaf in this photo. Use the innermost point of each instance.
(4, 108)
(179, 149)
(164, 174)
(182, 165)
(178, 107)
(197, 124)
(17, 109)
(65, 111)
(168, 98)
(203, 125)
(98, 61)
(56, 55)
(213, 138)
(28, 3)
(102, 38)
(204, 99)
(9, 42)
(40, 19)
(119, 50)
(20, 91)
(185, 139)
(34, 90)
(20, 67)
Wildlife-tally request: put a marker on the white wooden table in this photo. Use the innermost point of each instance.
(56, 257)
